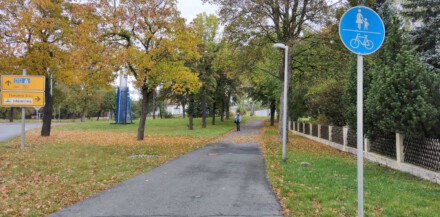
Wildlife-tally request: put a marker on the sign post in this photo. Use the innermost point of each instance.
(362, 31)
(22, 91)
(23, 119)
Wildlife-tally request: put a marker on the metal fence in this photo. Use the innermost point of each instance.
(324, 132)
(307, 129)
(384, 145)
(315, 130)
(423, 152)
(351, 138)
(337, 135)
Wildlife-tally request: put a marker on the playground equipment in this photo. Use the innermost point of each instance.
(123, 103)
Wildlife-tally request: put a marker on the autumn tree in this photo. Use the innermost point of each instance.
(230, 73)
(206, 29)
(275, 20)
(89, 68)
(108, 103)
(35, 33)
(262, 83)
(321, 66)
(153, 42)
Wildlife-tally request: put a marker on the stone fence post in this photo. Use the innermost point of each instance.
(319, 130)
(345, 137)
(330, 129)
(400, 156)
(367, 146)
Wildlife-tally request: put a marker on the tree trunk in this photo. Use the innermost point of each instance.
(154, 106)
(47, 110)
(222, 110)
(204, 111)
(228, 105)
(214, 105)
(83, 114)
(272, 112)
(191, 123)
(146, 93)
(191, 112)
(99, 114)
(11, 115)
(183, 108)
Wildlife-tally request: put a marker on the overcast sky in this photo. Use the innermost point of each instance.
(190, 8)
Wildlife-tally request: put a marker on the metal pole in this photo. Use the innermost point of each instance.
(51, 84)
(23, 125)
(360, 134)
(286, 63)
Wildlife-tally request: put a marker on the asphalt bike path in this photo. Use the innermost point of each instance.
(221, 179)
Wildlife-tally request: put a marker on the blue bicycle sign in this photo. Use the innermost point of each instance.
(355, 42)
(361, 30)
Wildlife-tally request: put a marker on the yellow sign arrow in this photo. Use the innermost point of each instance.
(22, 99)
(24, 83)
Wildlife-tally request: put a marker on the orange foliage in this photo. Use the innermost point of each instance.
(105, 138)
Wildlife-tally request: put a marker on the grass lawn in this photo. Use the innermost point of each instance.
(164, 127)
(329, 186)
(80, 159)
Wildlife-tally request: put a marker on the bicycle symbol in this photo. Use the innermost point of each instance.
(355, 42)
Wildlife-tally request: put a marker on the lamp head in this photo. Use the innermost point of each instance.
(280, 45)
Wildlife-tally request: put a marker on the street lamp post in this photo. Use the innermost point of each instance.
(286, 63)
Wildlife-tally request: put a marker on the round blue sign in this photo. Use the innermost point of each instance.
(361, 30)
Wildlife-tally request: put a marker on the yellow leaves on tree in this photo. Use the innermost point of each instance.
(153, 42)
(34, 32)
(152, 39)
(90, 59)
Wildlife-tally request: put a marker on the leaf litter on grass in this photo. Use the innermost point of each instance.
(103, 138)
(56, 171)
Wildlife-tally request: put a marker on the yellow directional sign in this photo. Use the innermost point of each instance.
(22, 99)
(22, 83)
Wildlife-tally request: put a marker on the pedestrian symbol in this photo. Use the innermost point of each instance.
(361, 30)
(359, 19)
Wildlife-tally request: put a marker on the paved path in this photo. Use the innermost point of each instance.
(10, 130)
(221, 179)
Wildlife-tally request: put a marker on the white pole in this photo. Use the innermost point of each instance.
(360, 134)
(286, 63)
(23, 124)
(51, 84)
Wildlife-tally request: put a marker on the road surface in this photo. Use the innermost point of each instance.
(10, 130)
(222, 179)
